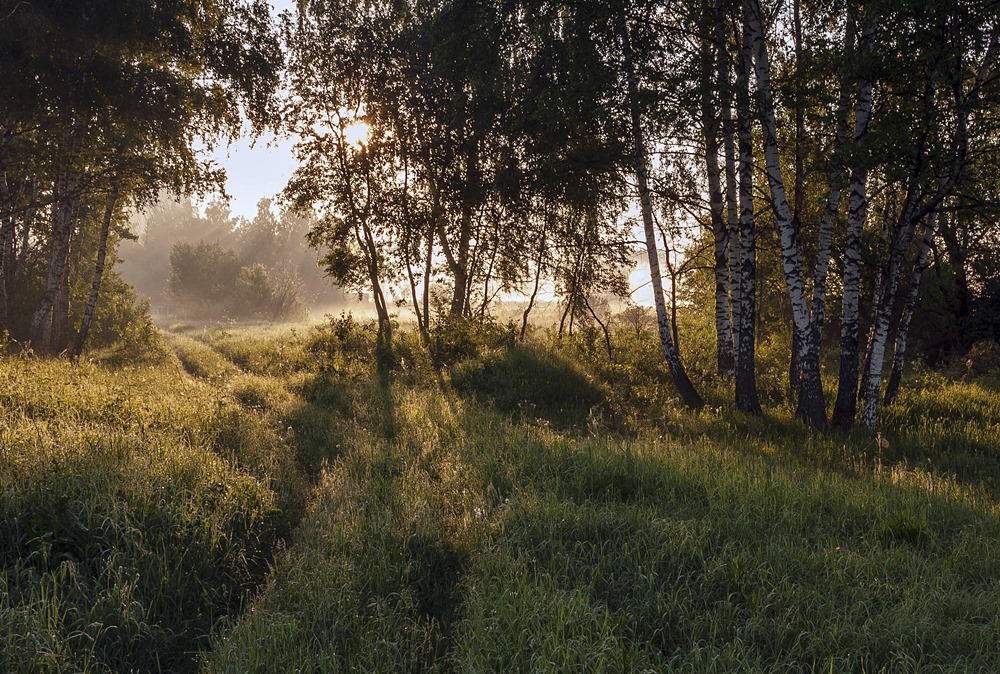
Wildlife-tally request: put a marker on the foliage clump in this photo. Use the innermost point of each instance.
(208, 281)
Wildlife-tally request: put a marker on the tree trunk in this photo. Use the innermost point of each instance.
(747, 399)
(7, 222)
(426, 298)
(732, 204)
(604, 327)
(799, 341)
(845, 407)
(914, 209)
(811, 377)
(811, 398)
(710, 123)
(95, 286)
(413, 295)
(681, 381)
(957, 256)
(460, 261)
(534, 291)
(62, 230)
(25, 239)
(899, 353)
(60, 311)
(367, 243)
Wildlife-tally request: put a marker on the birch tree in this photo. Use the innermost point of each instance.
(681, 381)
(811, 404)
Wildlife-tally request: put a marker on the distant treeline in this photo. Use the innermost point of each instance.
(218, 266)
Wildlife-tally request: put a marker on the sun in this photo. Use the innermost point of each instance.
(356, 133)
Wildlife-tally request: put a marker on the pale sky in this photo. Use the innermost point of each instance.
(259, 171)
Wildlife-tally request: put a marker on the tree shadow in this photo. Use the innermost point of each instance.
(530, 385)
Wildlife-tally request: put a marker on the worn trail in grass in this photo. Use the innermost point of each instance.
(460, 527)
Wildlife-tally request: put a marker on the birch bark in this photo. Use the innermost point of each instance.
(912, 293)
(684, 386)
(845, 407)
(732, 204)
(710, 124)
(95, 286)
(62, 231)
(810, 363)
(747, 399)
(811, 396)
(915, 209)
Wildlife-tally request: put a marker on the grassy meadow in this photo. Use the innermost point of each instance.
(263, 500)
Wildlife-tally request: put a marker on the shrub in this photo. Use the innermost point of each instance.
(207, 280)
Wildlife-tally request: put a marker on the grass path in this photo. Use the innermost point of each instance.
(450, 536)
(519, 508)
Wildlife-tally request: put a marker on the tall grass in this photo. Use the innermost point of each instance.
(482, 506)
(457, 531)
(137, 507)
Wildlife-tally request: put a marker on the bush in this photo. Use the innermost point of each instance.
(207, 280)
(983, 358)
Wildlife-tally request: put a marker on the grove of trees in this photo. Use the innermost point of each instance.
(831, 153)
(101, 105)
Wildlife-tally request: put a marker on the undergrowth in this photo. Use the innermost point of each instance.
(484, 505)
(534, 508)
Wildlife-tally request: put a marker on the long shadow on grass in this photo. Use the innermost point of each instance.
(530, 385)
(692, 552)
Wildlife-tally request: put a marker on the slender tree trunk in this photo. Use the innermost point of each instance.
(958, 258)
(487, 298)
(811, 398)
(732, 204)
(60, 311)
(95, 286)
(538, 279)
(845, 407)
(565, 313)
(421, 328)
(883, 316)
(912, 293)
(725, 358)
(460, 268)
(672, 271)
(799, 341)
(25, 238)
(811, 356)
(604, 327)
(426, 298)
(681, 381)
(62, 230)
(747, 399)
(7, 223)
(367, 242)
(408, 218)
(914, 209)
(881, 274)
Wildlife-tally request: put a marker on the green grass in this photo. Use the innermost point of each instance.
(493, 507)
(457, 533)
(137, 507)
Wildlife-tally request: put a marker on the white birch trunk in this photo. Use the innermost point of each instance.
(684, 386)
(747, 399)
(95, 286)
(845, 407)
(914, 210)
(790, 252)
(723, 329)
(910, 303)
(732, 205)
(62, 230)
